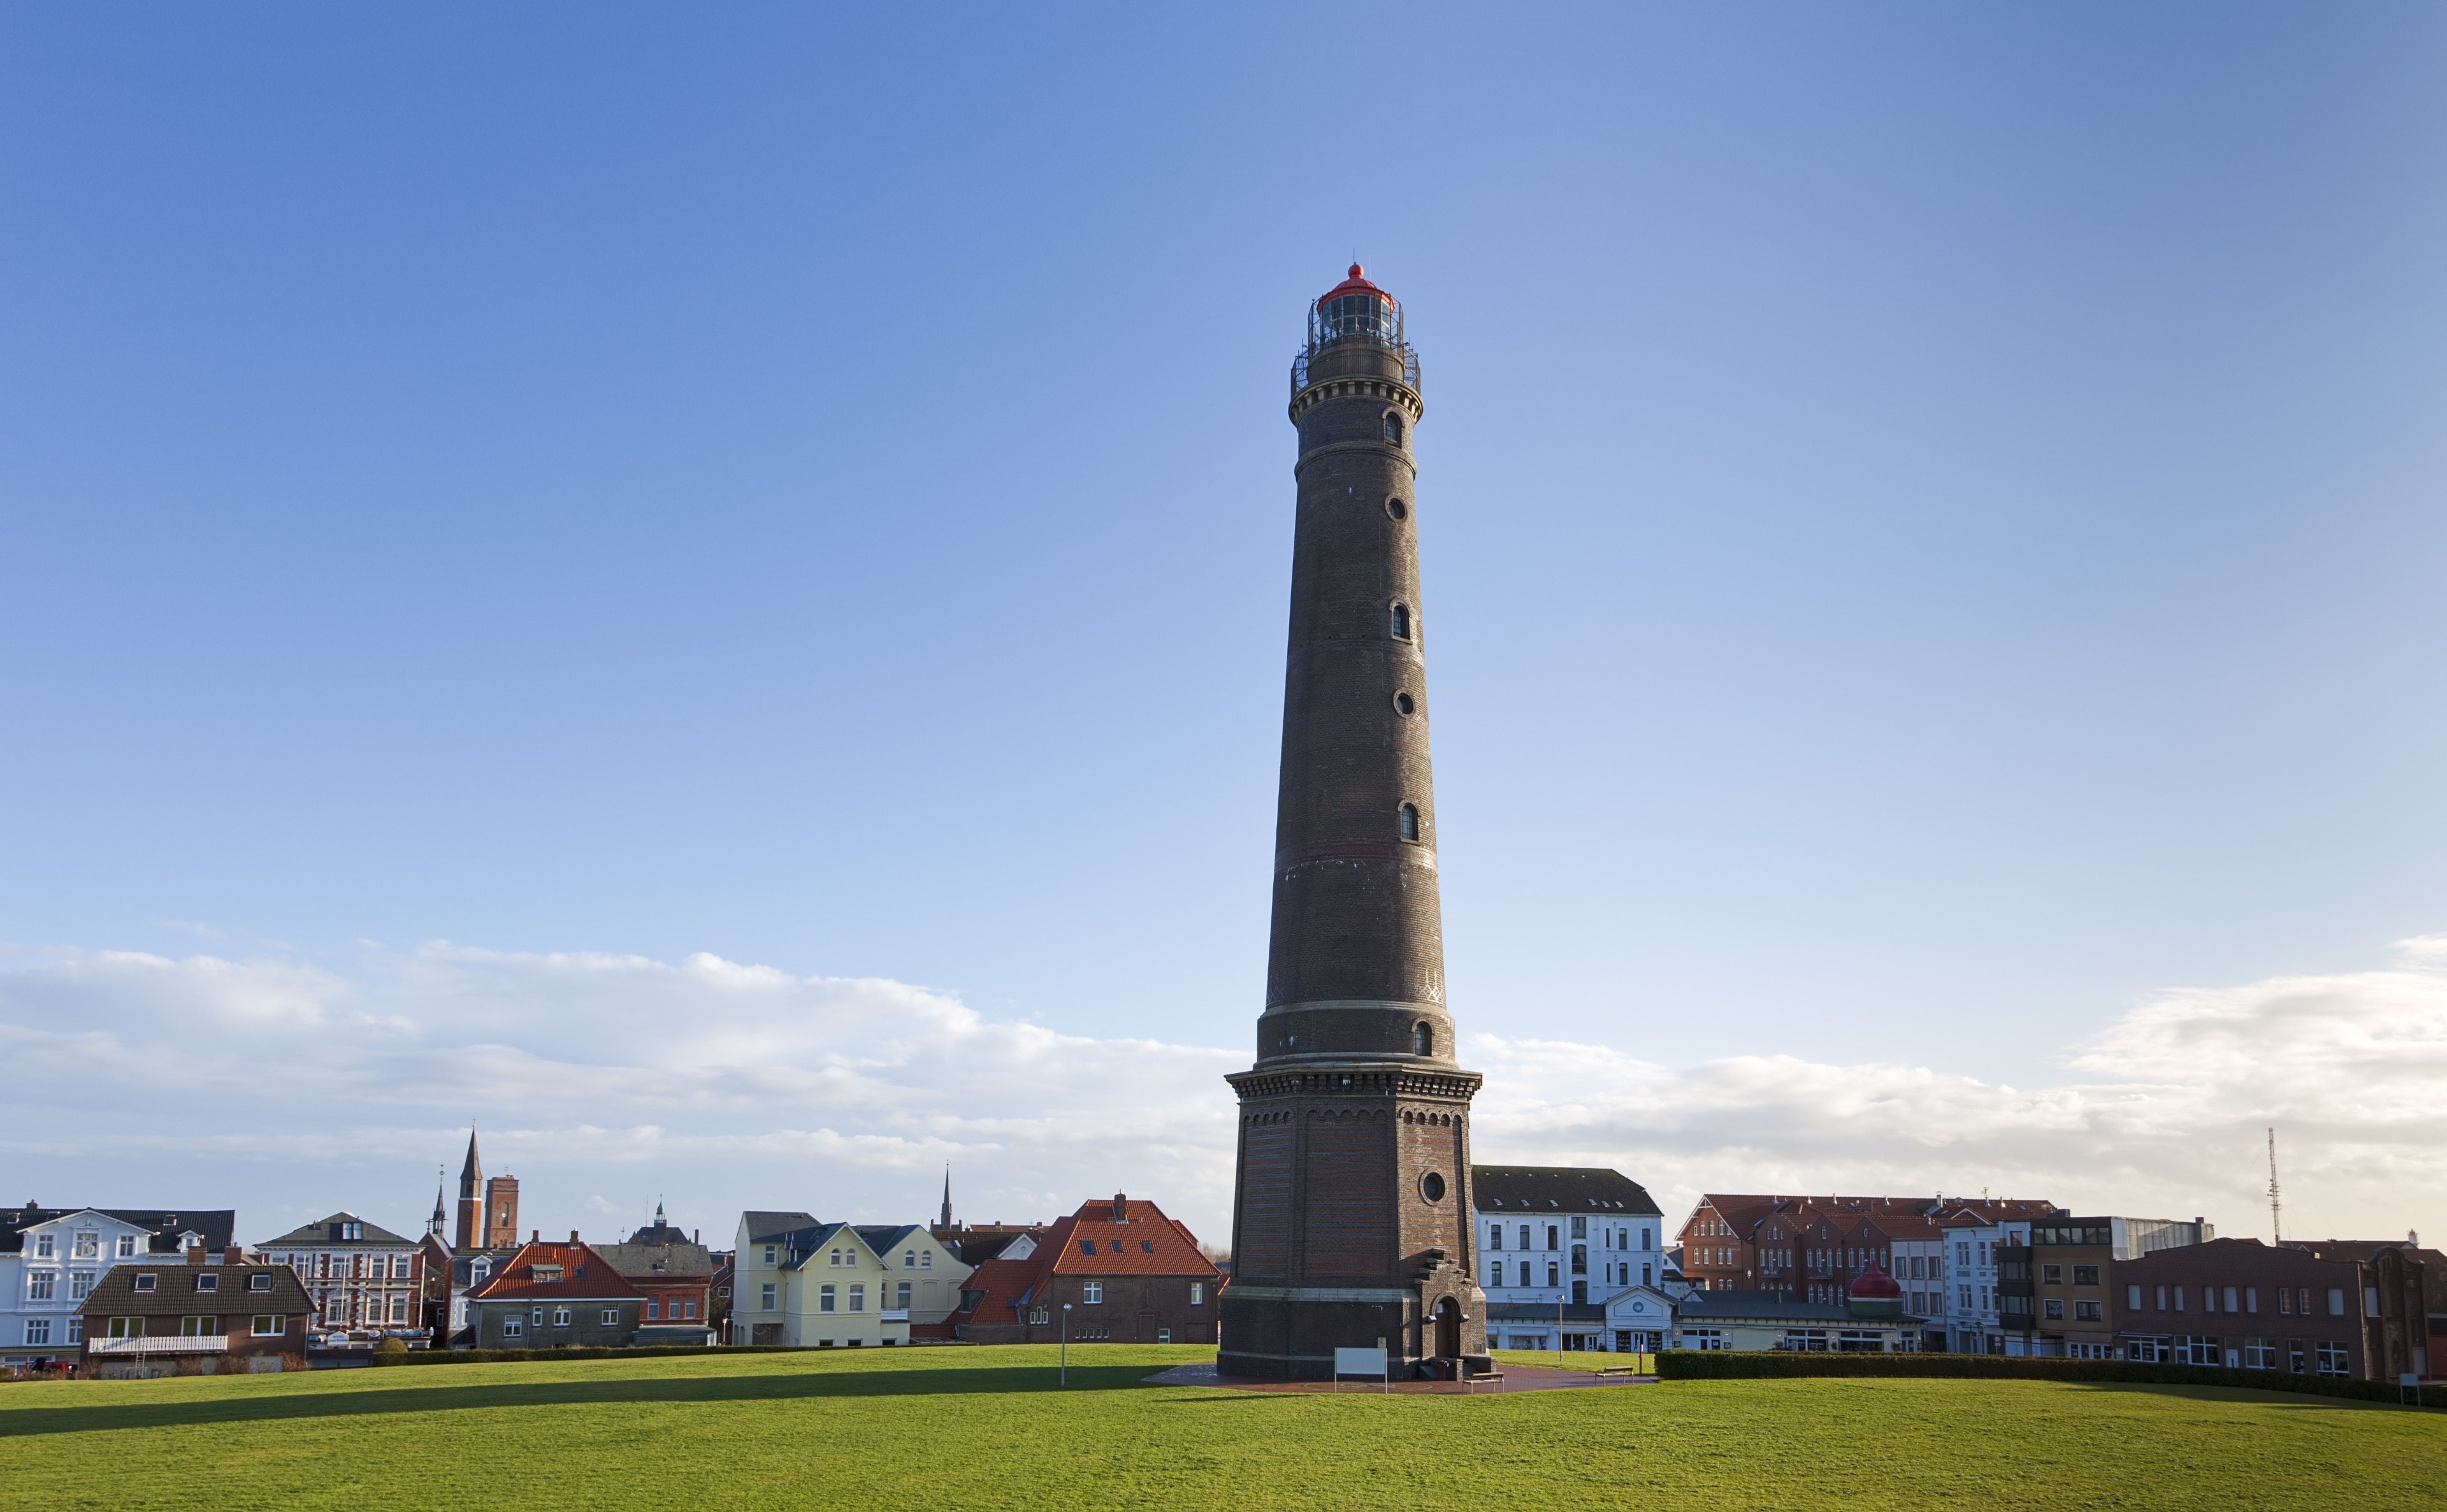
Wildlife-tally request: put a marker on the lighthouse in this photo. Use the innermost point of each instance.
(1352, 1210)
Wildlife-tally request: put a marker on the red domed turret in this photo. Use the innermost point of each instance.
(1354, 285)
(1875, 1294)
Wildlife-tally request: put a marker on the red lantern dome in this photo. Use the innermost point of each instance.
(1356, 284)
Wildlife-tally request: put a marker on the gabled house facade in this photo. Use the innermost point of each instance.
(184, 1316)
(364, 1279)
(803, 1282)
(548, 1296)
(675, 1273)
(51, 1259)
(1114, 1272)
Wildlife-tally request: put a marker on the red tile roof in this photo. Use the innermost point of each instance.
(585, 1277)
(1141, 1241)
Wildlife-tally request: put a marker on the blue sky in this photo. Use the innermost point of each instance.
(1930, 520)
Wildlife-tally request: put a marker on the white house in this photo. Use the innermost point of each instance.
(51, 1258)
(838, 1285)
(1562, 1251)
(361, 1276)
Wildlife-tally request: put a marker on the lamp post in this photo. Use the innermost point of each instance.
(1065, 1356)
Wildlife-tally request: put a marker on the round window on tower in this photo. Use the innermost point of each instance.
(1397, 509)
(1402, 704)
(1432, 1186)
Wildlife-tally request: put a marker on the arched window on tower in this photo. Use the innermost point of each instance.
(1401, 621)
(1410, 822)
(1393, 429)
(1423, 1039)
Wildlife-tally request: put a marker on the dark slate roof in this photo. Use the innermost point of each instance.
(215, 1225)
(765, 1227)
(320, 1236)
(1544, 1312)
(884, 1238)
(176, 1294)
(647, 1262)
(1704, 1307)
(1511, 1189)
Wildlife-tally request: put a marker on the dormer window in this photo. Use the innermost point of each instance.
(146, 1281)
(208, 1282)
(545, 1273)
(258, 1282)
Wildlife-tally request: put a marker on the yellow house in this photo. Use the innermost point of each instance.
(838, 1285)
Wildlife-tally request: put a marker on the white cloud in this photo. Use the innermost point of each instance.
(288, 1088)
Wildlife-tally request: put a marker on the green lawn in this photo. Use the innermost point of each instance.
(972, 1429)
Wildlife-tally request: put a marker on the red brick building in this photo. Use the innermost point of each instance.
(202, 1317)
(554, 1295)
(1128, 1275)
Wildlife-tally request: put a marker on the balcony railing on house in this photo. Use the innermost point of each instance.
(162, 1344)
(894, 1314)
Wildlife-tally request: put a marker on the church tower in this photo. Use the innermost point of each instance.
(1352, 1220)
(470, 1234)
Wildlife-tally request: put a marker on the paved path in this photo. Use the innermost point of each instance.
(1516, 1378)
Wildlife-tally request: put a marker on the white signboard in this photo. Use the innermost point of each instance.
(1371, 1363)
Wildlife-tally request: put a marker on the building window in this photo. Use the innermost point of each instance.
(654, 1310)
(1163, 1335)
(1410, 822)
(611, 1317)
(399, 1309)
(858, 1298)
(269, 1325)
(1394, 429)
(38, 1284)
(1495, 1236)
(1396, 508)
(2260, 1354)
(76, 1331)
(2052, 1275)
(127, 1248)
(1402, 625)
(1197, 1294)
(38, 1331)
(1092, 1292)
(1403, 706)
(909, 1259)
(1432, 1186)
(2335, 1359)
(199, 1328)
(1087, 1246)
(2055, 1309)
(1643, 1238)
(688, 1308)
(1524, 1241)
(1524, 1273)
(2089, 1312)
(765, 1298)
(87, 1246)
(127, 1328)
(1580, 1259)
(208, 1282)
(2085, 1276)
(561, 1318)
(1554, 1273)
(43, 1250)
(1579, 1228)
(825, 1299)
(513, 1328)
(2336, 1302)
(2251, 1299)
(836, 1259)
(769, 1252)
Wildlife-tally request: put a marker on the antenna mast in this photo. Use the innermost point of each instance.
(2276, 1229)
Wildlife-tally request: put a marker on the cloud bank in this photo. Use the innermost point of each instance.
(288, 1089)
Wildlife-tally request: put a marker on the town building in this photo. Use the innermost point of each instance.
(1870, 1319)
(2055, 1297)
(1564, 1250)
(52, 1258)
(549, 1295)
(2404, 1301)
(675, 1273)
(362, 1276)
(2251, 1306)
(1114, 1272)
(1352, 1212)
(800, 1282)
(201, 1312)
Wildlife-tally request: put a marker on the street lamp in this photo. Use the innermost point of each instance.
(1065, 1355)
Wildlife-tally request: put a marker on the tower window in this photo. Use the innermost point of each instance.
(1401, 621)
(1396, 508)
(1432, 1186)
(1410, 822)
(1402, 704)
(1393, 429)
(1423, 1038)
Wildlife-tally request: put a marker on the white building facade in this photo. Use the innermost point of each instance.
(364, 1279)
(51, 1259)
(1562, 1251)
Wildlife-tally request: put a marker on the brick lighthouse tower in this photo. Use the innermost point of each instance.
(1351, 1223)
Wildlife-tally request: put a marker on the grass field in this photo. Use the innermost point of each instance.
(972, 1429)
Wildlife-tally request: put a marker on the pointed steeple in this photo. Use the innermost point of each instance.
(471, 1175)
(435, 1224)
(947, 1195)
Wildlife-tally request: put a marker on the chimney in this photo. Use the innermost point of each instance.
(234, 1255)
(197, 1255)
(573, 1235)
(1121, 1208)
(534, 1235)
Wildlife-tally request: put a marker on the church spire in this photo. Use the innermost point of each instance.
(946, 1221)
(435, 1224)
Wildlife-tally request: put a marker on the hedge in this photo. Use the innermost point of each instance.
(1752, 1364)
